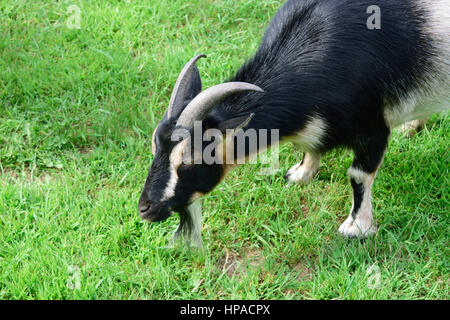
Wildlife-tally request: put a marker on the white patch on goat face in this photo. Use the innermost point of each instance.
(176, 159)
(310, 137)
(434, 95)
(154, 141)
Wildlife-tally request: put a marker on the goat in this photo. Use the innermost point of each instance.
(324, 80)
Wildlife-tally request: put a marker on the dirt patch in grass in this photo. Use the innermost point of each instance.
(26, 175)
(237, 264)
(85, 150)
(304, 273)
(304, 206)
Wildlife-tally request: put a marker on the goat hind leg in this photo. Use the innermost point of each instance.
(412, 127)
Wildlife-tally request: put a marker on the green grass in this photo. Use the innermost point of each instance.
(77, 109)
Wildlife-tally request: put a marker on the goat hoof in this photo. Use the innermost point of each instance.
(412, 127)
(299, 174)
(357, 228)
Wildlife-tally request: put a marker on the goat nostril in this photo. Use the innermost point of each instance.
(143, 207)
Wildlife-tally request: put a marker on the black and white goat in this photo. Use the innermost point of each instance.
(323, 79)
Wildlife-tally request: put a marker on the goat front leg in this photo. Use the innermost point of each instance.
(303, 172)
(368, 159)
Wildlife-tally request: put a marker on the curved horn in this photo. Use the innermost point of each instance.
(202, 103)
(182, 85)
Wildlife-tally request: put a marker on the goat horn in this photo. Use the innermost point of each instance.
(182, 84)
(202, 103)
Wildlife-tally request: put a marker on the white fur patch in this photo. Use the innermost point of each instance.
(361, 176)
(304, 171)
(176, 158)
(169, 191)
(153, 141)
(360, 227)
(434, 95)
(310, 137)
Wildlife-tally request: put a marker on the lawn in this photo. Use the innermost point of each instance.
(77, 110)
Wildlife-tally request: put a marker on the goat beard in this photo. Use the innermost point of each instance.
(190, 227)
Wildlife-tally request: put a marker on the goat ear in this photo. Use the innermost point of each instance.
(235, 123)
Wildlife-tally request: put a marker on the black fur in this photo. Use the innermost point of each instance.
(358, 192)
(319, 57)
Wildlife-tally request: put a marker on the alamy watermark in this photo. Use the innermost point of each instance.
(231, 147)
(74, 19)
(374, 20)
(374, 277)
(74, 279)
